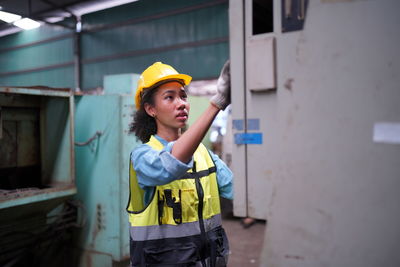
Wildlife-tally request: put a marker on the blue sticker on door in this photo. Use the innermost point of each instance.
(248, 138)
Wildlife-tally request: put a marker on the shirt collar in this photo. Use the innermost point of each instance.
(163, 141)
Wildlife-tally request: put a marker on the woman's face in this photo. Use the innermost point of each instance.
(171, 108)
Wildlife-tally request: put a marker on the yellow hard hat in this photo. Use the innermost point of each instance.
(155, 74)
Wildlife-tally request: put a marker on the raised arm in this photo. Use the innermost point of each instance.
(185, 146)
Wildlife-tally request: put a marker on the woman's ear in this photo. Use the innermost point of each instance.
(149, 110)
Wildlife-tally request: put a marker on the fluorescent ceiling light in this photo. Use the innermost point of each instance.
(26, 24)
(8, 17)
(99, 5)
(54, 19)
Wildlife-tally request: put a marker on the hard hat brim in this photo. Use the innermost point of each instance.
(183, 77)
(186, 79)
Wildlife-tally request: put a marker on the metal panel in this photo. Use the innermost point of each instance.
(59, 77)
(20, 148)
(37, 56)
(253, 127)
(329, 191)
(34, 116)
(293, 15)
(127, 143)
(197, 33)
(32, 36)
(28, 198)
(123, 84)
(144, 9)
(209, 60)
(41, 56)
(260, 63)
(259, 53)
(198, 25)
(56, 155)
(39, 91)
(97, 166)
(102, 168)
(236, 21)
(178, 32)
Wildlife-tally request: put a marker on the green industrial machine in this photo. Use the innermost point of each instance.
(64, 164)
(37, 172)
(112, 41)
(103, 146)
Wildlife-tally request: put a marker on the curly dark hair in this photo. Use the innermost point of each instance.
(143, 125)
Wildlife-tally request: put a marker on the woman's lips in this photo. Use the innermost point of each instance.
(182, 116)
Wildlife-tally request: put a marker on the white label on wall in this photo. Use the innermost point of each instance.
(387, 132)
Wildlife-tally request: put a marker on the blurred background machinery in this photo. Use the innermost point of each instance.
(37, 173)
(102, 164)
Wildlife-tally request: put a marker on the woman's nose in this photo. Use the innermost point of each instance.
(181, 103)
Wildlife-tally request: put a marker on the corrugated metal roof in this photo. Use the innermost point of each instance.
(51, 11)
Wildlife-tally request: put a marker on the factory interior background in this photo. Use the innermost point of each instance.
(312, 135)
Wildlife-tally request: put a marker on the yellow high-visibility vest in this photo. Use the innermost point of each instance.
(182, 221)
(181, 194)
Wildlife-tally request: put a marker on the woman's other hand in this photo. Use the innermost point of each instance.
(223, 96)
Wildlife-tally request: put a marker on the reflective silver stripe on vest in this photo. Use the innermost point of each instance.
(142, 233)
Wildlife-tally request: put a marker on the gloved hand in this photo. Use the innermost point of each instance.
(223, 96)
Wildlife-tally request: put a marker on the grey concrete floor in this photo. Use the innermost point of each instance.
(245, 243)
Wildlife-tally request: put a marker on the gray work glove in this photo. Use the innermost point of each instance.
(223, 97)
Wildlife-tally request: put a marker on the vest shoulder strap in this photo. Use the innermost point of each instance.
(154, 143)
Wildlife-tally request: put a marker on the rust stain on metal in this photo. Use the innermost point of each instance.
(288, 84)
(95, 91)
(98, 223)
(7, 89)
(40, 87)
(88, 260)
(31, 191)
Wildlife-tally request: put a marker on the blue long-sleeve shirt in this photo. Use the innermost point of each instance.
(155, 167)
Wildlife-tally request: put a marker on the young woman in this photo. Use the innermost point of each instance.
(175, 182)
